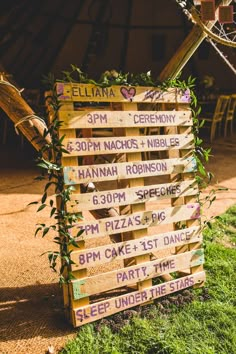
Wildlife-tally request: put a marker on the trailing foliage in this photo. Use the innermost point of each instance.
(52, 174)
(50, 155)
(205, 325)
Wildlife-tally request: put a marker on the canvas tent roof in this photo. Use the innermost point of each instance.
(128, 35)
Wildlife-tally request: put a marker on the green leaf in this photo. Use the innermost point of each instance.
(73, 243)
(45, 231)
(53, 212)
(37, 230)
(41, 207)
(32, 203)
(79, 233)
(43, 165)
(44, 198)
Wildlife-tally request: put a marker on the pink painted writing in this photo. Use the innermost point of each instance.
(109, 198)
(154, 95)
(111, 252)
(94, 145)
(105, 308)
(142, 272)
(96, 118)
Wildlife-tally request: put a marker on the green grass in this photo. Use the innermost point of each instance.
(204, 326)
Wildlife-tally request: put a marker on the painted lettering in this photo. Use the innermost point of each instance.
(97, 172)
(182, 283)
(92, 311)
(144, 168)
(159, 216)
(147, 118)
(131, 274)
(162, 142)
(83, 146)
(131, 299)
(158, 192)
(128, 144)
(86, 258)
(164, 266)
(89, 229)
(154, 95)
(149, 244)
(113, 252)
(92, 92)
(122, 223)
(94, 118)
(181, 236)
(109, 198)
(158, 291)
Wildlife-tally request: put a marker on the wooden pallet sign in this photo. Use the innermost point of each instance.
(124, 94)
(130, 141)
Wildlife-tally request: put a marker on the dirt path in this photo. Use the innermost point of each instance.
(31, 307)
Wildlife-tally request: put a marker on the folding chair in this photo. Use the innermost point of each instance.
(229, 116)
(211, 123)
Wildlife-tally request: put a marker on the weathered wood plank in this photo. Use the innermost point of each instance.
(136, 221)
(112, 252)
(88, 93)
(189, 199)
(125, 170)
(139, 207)
(140, 272)
(69, 302)
(108, 307)
(119, 119)
(131, 144)
(132, 195)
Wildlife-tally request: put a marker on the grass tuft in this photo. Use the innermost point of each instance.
(205, 324)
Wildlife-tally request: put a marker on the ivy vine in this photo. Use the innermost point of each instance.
(50, 155)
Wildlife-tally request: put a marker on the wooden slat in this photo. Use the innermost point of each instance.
(112, 252)
(189, 199)
(137, 182)
(137, 273)
(125, 170)
(134, 195)
(131, 144)
(119, 119)
(96, 311)
(88, 93)
(69, 302)
(136, 221)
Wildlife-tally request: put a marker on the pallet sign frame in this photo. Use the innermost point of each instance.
(136, 248)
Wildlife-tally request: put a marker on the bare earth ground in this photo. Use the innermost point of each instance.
(31, 306)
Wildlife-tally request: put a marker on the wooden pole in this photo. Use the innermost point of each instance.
(14, 105)
(17, 108)
(187, 48)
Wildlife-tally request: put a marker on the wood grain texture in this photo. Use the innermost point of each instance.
(136, 221)
(125, 94)
(117, 171)
(149, 244)
(108, 307)
(142, 272)
(122, 119)
(132, 195)
(129, 144)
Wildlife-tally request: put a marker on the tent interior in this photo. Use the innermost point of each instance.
(138, 36)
